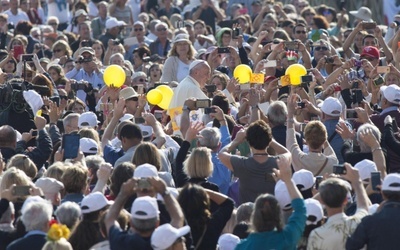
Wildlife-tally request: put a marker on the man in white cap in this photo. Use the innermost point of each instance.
(380, 230)
(144, 215)
(113, 28)
(192, 85)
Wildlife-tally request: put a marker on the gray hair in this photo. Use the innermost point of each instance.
(36, 215)
(210, 138)
(68, 119)
(143, 226)
(94, 161)
(68, 213)
(243, 212)
(375, 131)
(277, 113)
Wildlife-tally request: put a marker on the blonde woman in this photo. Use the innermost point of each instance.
(23, 163)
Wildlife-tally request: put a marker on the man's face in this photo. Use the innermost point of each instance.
(161, 31)
(84, 32)
(320, 51)
(300, 33)
(87, 66)
(5, 5)
(139, 31)
(131, 105)
(102, 10)
(369, 41)
(14, 4)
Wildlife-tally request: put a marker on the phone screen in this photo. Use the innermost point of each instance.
(375, 180)
(21, 190)
(18, 50)
(70, 145)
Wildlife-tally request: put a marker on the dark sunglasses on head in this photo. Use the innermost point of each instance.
(321, 48)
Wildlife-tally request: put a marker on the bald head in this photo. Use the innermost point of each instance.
(8, 137)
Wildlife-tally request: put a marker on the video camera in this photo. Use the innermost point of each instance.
(84, 60)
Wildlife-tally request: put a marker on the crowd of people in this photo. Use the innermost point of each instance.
(296, 161)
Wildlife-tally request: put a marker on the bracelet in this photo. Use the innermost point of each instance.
(377, 148)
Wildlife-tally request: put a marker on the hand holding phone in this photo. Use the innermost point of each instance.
(21, 190)
(70, 145)
(223, 50)
(375, 180)
(339, 169)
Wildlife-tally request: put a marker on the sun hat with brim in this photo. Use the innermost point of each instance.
(363, 13)
(181, 38)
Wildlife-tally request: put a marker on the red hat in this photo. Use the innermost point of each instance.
(371, 52)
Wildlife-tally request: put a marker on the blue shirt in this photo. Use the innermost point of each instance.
(337, 141)
(129, 53)
(221, 175)
(125, 240)
(285, 239)
(96, 79)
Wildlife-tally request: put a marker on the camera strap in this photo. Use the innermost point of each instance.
(323, 166)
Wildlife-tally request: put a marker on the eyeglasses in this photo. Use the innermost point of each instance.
(53, 24)
(321, 48)
(300, 32)
(57, 50)
(141, 80)
(162, 29)
(140, 29)
(291, 26)
(63, 97)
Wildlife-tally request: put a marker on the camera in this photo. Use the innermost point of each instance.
(329, 60)
(301, 105)
(339, 169)
(357, 96)
(209, 110)
(85, 59)
(203, 103)
(211, 88)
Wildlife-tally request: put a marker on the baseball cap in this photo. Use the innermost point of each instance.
(128, 93)
(200, 53)
(195, 63)
(228, 241)
(391, 183)
(363, 13)
(370, 51)
(94, 202)
(113, 22)
(181, 38)
(88, 146)
(49, 185)
(139, 23)
(138, 74)
(304, 178)
(313, 208)
(86, 50)
(391, 93)
(80, 12)
(126, 117)
(331, 106)
(282, 195)
(145, 171)
(365, 167)
(88, 119)
(144, 208)
(165, 235)
(147, 131)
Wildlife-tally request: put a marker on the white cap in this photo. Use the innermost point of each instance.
(195, 63)
(331, 106)
(138, 23)
(363, 13)
(391, 93)
(94, 202)
(282, 195)
(113, 22)
(305, 178)
(34, 100)
(372, 209)
(49, 185)
(88, 119)
(145, 171)
(365, 167)
(391, 183)
(80, 12)
(88, 145)
(127, 117)
(128, 93)
(314, 208)
(147, 131)
(144, 208)
(228, 242)
(181, 38)
(165, 235)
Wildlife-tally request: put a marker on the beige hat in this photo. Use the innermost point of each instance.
(128, 93)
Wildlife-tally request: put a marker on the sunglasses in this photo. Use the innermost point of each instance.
(57, 50)
(135, 99)
(321, 48)
(63, 97)
(53, 24)
(162, 29)
(141, 80)
(300, 32)
(140, 29)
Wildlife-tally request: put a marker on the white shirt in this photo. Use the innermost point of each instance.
(188, 87)
(63, 15)
(135, 8)
(20, 16)
(183, 70)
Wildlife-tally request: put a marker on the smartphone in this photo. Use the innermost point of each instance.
(209, 110)
(342, 4)
(179, 24)
(27, 57)
(375, 180)
(291, 45)
(203, 103)
(338, 88)
(357, 96)
(106, 106)
(158, 114)
(369, 25)
(18, 50)
(339, 169)
(140, 89)
(143, 183)
(307, 78)
(357, 63)
(21, 190)
(355, 85)
(302, 127)
(318, 180)
(236, 32)
(351, 114)
(329, 60)
(301, 105)
(383, 69)
(395, 126)
(398, 44)
(379, 81)
(223, 50)
(270, 64)
(211, 88)
(139, 120)
(70, 145)
(85, 43)
(34, 133)
(245, 86)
